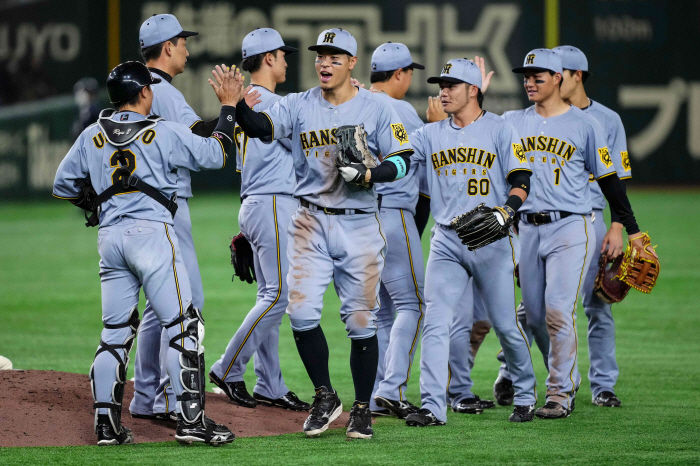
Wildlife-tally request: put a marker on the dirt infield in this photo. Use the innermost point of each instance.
(47, 408)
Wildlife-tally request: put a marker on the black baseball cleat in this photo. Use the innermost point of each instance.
(107, 436)
(203, 431)
(400, 409)
(360, 423)
(552, 410)
(423, 418)
(236, 391)
(170, 417)
(382, 412)
(608, 399)
(289, 401)
(522, 414)
(467, 406)
(503, 391)
(325, 409)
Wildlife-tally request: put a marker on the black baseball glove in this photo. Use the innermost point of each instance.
(354, 157)
(480, 226)
(242, 259)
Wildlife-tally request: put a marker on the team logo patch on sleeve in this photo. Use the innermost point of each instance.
(519, 153)
(605, 156)
(625, 160)
(400, 133)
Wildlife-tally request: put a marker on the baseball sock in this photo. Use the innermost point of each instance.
(313, 350)
(364, 357)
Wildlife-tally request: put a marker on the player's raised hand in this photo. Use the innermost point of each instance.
(229, 84)
(485, 78)
(252, 97)
(435, 111)
(356, 83)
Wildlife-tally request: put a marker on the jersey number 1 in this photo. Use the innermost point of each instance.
(557, 176)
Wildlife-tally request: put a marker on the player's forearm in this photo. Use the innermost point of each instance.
(225, 126)
(614, 218)
(253, 124)
(519, 189)
(391, 169)
(614, 192)
(204, 128)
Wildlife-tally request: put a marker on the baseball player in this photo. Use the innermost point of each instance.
(603, 371)
(336, 233)
(130, 160)
(400, 315)
(474, 158)
(267, 188)
(564, 145)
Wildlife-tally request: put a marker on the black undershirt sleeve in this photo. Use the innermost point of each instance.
(204, 128)
(614, 192)
(253, 123)
(518, 179)
(225, 126)
(387, 171)
(613, 215)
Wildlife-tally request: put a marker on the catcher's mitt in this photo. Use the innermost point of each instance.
(242, 259)
(607, 286)
(480, 227)
(353, 158)
(640, 268)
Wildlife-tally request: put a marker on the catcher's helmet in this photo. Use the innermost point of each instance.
(127, 79)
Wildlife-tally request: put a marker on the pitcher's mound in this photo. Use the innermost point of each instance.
(47, 408)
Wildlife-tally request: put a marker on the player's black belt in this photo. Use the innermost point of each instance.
(542, 218)
(332, 210)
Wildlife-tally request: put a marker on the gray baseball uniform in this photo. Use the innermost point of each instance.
(348, 249)
(152, 389)
(137, 243)
(468, 166)
(603, 371)
(267, 186)
(400, 316)
(556, 247)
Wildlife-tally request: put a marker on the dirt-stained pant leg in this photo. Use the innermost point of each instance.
(264, 220)
(385, 319)
(445, 282)
(603, 371)
(403, 277)
(566, 245)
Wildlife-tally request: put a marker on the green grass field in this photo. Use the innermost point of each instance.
(50, 319)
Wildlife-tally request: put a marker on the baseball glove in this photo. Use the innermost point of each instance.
(242, 259)
(607, 286)
(353, 155)
(640, 268)
(480, 227)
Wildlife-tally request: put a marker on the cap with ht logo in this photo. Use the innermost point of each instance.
(338, 39)
(264, 40)
(393, 56)
(159, 28)
(460, 70)
(572, 58)
(541, 59)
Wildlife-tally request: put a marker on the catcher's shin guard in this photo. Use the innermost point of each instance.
(114, 409)
(192, 366)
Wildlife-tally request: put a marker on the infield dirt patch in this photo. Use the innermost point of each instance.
(47, 408)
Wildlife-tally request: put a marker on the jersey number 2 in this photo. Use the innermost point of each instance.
(114, 162)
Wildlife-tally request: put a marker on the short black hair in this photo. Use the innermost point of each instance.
(480, 98)
(132, 102)
(584, 74)
(154, 51)
(254, 63)
(383, 76)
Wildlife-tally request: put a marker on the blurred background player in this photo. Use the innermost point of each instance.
(341, 199)
(267, 188)
(400, 316)
(137, 244)
(473, 158)
(603, 371)
(564, 146)
(85, 93)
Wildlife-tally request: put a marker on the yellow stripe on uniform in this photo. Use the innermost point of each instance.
(222, 149)
(165, 394)
(271, 124)
(515, 308)
(420, 304)
(573, 313)
(177, 284)
(380, 252)
(279, 291)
